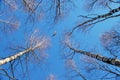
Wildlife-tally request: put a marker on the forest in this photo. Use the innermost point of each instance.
(59, 40)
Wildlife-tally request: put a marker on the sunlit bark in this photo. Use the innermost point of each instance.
(17, 55)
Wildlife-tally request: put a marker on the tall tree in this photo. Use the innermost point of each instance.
(110, 41)
(21, 20)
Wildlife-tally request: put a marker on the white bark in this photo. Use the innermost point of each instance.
(112, 61)
(17, 55)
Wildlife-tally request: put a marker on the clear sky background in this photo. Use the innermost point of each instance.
(54, 64)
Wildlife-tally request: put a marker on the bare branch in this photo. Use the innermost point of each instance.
(97, 19)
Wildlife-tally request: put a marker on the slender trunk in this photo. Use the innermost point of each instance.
(112, 61)
(17, 55)
(103, 16)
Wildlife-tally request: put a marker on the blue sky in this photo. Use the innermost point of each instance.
(55, 62)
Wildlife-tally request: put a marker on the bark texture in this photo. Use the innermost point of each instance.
(112, 61)
(17, 55)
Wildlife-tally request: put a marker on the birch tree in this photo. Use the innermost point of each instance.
(20, 17)
(110, 41)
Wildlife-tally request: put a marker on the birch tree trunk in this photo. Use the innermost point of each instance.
(17, 55)
(112, 61)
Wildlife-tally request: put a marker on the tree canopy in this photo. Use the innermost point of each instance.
(59, 40)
